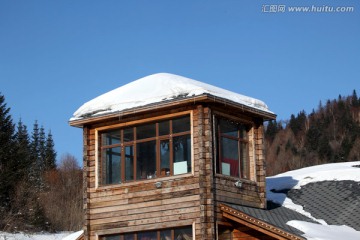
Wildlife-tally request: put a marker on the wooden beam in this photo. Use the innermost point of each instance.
(256, 224)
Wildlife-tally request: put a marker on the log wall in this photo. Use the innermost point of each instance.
(182, 200)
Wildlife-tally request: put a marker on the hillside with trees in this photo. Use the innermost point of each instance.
(329, 134)
(35, 193)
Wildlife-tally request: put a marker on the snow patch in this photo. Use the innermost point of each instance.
(276, 185)
(35, 236)
(324, 232)
(74, 235)
(157, 88)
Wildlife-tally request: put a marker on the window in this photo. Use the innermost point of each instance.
(233, 149)
(146, 151)
(183, 233)
(224, 233)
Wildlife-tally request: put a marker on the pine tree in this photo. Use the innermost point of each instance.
(7, 166)
(354, 99)
(22, 151)
(35, 172)
(271, 130)
(42, 150)
(50, 153)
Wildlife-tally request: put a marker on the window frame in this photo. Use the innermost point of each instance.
(158, 138)
(248, 141)
(121, 236)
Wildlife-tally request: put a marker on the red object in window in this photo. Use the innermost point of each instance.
(234, 166)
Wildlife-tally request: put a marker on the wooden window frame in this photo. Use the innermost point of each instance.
(100, 148)
(158, 233)
(242, 173)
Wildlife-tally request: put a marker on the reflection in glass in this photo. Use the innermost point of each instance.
(230, 155)
(228, 128)
(183, 233)
(146, 160)
(112, 163)
(181, 124)
(129, 236)
(165, 157)
(164, 128)
(146, 131)
(182, 151)
(129, 163)
(112, 237)
(128, 134)
(110, 138)
(165, 235)
(147, 236)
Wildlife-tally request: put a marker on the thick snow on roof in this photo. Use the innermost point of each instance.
(157, 88)
(298, 178)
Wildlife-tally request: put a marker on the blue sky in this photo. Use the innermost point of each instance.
(57, 55)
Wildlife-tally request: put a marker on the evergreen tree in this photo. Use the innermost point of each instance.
(271, 130)
(50, 153)
(354, 99)
(297, 124)
(7, 166)
(42, 150)
(22, 151)
(35, 172)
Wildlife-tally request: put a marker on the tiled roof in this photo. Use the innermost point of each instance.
(336, 202)
(276, 215)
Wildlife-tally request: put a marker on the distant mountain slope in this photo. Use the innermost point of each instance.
(326, 135)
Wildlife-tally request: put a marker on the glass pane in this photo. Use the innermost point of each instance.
(146, 160)
(224, 233)
(146, 131)
(229, 157)
(128, 134)
(244, 160)
(183, 233)
(228, 127)
(111, 237)
(181, 124)
(182, 154)
(110, 138)
(129, 163)
(147, 236)
(111, 159)
(129, 236)
(164, 128)
(165, 235)
(164, 158)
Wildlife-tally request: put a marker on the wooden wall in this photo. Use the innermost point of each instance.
(253, 192)
(189, 199)
(181, 201)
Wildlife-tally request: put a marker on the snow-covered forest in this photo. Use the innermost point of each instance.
(36, 193)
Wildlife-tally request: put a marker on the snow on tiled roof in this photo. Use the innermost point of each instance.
(319, 202)
(157, 88)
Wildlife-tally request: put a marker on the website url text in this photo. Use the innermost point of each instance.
(271, 8)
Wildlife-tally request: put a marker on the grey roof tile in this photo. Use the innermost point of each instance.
(336, 202)
(276, 215)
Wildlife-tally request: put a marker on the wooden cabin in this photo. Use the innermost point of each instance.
(163, 154)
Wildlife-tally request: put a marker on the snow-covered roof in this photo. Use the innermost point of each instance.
(158, 88)
(301, 178)
(318, 203)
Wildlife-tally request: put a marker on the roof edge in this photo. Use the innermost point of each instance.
(267, 115)
(257, 224)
